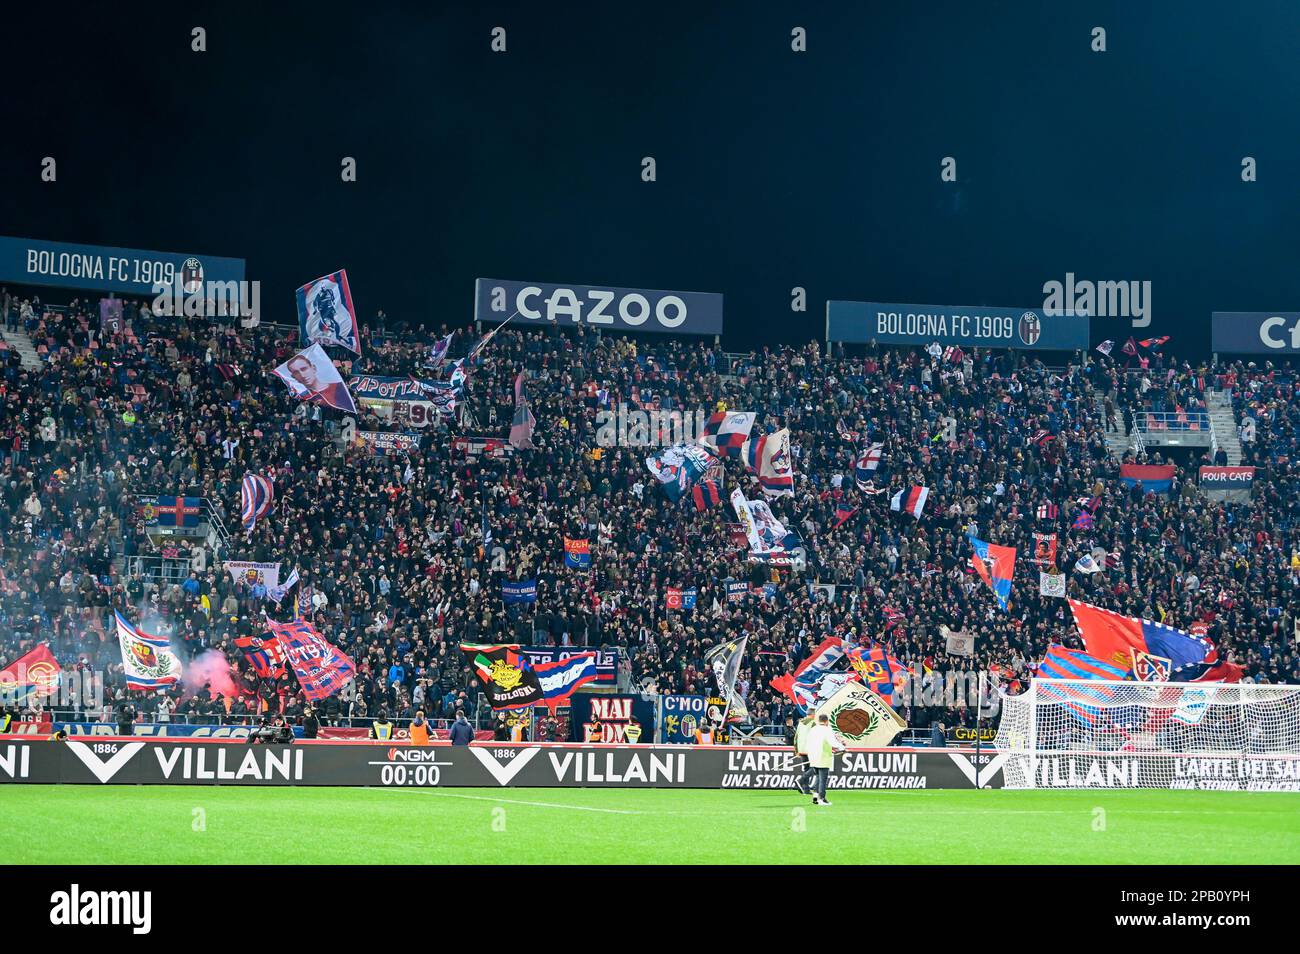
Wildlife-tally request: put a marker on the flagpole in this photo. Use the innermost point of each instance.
(979, 718)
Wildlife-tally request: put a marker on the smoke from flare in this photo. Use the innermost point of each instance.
(213, 668)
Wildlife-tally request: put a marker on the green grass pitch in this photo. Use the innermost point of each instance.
(235, 825)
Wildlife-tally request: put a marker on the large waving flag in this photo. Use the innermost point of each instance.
(508, 681)
(277, 592)
(255, 497)
(326, 314)
(726, 432)
(322, 668)
(147, 661)
(996, 566)
(912, 501)
(724, 661)
(810, 693)
(1084, 703)
(34, 675)
(866, 466)
(311, 376)
(265, 655)
(769, 458)
(680, 467)
(438, 352)
(1120, 640)
(877, 669)
(762, 529)
(561, 677)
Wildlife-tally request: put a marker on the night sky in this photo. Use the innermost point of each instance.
(775, 168)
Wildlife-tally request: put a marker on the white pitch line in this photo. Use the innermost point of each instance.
(514, 801)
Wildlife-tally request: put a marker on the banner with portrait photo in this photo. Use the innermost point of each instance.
(326, 314)
(311, 376)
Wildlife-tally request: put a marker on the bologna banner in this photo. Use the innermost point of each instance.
(104, 268)
(1025, 329)
(1255, 332)
(600, 306)
(111, 761)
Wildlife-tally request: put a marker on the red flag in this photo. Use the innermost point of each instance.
(33, 675)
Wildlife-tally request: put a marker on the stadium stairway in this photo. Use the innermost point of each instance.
(19, 341)
(1120, 442)
(1223, 422)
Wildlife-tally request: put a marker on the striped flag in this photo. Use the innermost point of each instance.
(265, 655)
(1048, 511)
(1084, 703)
(255, 495)
(912, 501)
(706, 494)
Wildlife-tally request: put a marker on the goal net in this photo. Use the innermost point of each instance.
(1081, 733)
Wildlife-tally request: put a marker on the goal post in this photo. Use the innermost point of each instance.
(1085, 733)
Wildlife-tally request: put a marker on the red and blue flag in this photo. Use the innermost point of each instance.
(1157, 478)
(1084, 703)
(996, 566)
(322, 668)
(1116, 639)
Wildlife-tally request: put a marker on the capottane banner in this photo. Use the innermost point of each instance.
(182, 762)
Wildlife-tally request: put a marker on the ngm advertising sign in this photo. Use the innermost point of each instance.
(1025, 329)
(600, 306)
(104, 268)
(1256, 332)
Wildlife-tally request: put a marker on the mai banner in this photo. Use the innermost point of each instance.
(600, 306)
(106, 268)
(1023, 329)
(610, 719)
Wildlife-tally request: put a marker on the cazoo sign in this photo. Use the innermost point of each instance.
(598, 306)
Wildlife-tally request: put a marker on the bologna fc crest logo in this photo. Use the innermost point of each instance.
(1030, 328)
(192, 275)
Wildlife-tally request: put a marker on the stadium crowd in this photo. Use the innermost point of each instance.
(395, 570)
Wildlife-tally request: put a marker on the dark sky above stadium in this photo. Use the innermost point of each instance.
(775, 169)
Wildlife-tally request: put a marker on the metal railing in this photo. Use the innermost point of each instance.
(157, 569)
(1152, 422)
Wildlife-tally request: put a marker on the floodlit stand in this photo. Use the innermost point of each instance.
(1080, 733)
